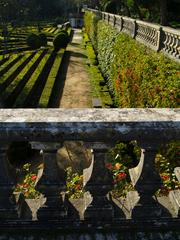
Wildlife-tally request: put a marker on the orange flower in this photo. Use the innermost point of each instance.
(165, 177)
(117, 166)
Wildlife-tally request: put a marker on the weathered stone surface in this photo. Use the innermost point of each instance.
(177, 172)
(89, 124)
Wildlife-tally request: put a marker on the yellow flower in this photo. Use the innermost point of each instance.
(117, 166)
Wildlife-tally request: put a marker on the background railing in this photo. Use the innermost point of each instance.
(99, 129)
(156, 37)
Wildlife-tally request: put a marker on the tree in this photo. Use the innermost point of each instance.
(160, 11)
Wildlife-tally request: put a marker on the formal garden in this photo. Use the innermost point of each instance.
(29, 67)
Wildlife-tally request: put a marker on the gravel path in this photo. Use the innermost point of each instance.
(76, 92)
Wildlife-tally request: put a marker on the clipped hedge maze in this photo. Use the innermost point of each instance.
(27, 76)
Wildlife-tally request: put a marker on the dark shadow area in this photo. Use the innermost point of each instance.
(4, 60)
(74, 44)
(58, 87)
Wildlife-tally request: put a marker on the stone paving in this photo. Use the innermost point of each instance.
(77, 90)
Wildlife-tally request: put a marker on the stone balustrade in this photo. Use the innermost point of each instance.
(155, 36)
(99, 129)
(171, 42)
(148, 34)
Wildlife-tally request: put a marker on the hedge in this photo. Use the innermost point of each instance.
(136, 75)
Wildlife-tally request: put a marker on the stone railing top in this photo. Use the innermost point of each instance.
(89, 124)
(148, 24)
(171, 30)
(89, 115)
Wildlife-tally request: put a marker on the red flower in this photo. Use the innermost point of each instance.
(121, 175)
(33, 178)
(78, 187)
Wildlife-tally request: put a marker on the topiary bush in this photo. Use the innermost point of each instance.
(60, 41)
(43, 39)
(33, 41)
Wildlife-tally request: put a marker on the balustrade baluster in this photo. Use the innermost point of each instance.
(98, 181)
(146, 181)
(171, 46)
(118, 23)
(176, 45)
(52, 183)
(8, 206)
(174, 195)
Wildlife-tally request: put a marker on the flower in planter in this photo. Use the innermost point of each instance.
(27, 186)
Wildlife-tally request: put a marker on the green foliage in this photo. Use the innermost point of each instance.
(60, 41)
(74, 183)
(90, 22)
(33, 41)
(91, 55)
(43, 39)
(166, 161)
(136, 75)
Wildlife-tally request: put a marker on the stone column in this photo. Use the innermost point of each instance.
(146, 181)
(98, 181)
(52, 183)
(8, 207)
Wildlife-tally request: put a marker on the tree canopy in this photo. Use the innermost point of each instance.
(161, 11)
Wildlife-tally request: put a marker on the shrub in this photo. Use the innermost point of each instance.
(91, 21)
(33, 41)
(60, 41)
(91, 55)
(43, 39)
